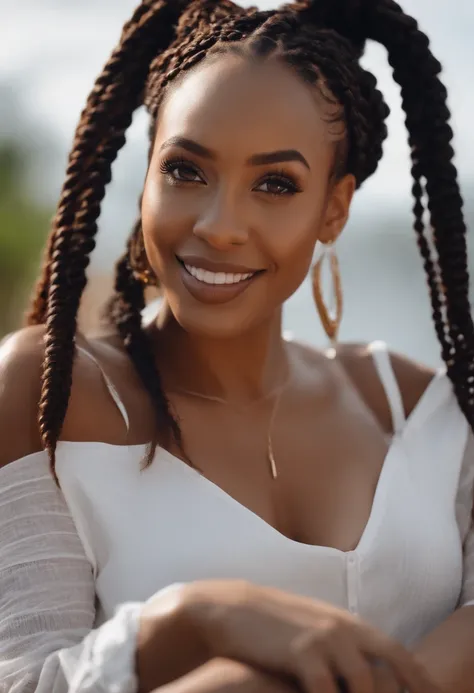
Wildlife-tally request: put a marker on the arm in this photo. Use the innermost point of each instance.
(448, 653)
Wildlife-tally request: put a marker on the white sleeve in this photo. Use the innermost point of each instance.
(47, 597)
(464, 508)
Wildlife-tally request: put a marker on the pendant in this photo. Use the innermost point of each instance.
(271, 459)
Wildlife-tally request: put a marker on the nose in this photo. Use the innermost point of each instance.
(220, 226)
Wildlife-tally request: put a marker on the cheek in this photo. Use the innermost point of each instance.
(292, 237)
(291, 240)
(164, 221)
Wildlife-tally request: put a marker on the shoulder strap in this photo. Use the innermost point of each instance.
(110, 386)
(387, 377)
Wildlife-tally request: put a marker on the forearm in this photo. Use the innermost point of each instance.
(448, 653)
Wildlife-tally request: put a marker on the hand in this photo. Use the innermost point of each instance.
(226, 676)
(311, 642)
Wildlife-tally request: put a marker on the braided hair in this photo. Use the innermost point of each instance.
(322, 41)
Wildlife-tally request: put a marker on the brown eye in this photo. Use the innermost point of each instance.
(278, 186)
(180, 171)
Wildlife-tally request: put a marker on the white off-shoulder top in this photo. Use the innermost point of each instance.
(77, 565)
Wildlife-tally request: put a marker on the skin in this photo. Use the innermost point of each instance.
(332, 428)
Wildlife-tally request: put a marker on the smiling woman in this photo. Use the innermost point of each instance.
(227, 173)
(233, 509)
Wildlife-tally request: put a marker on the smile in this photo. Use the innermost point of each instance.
(214, 283)
(207, 277)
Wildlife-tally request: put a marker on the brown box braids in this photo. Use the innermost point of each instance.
(322, 40)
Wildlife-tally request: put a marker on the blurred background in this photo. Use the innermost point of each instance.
(50, 53)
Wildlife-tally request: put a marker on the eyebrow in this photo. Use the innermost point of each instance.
(255, 160)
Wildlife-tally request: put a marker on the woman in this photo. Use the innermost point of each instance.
(234, 511)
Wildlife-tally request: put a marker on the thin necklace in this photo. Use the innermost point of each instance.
(270, 453)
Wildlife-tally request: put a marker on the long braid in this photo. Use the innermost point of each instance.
(82, 150)
(427, 118)
(125, 312)
(100, 136)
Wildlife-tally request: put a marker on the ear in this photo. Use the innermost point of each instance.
(337, 209)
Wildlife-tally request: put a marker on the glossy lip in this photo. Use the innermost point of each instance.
(214, 294)
(211, 266)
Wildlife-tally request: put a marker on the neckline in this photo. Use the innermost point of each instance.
(368, 532)
(418, 415)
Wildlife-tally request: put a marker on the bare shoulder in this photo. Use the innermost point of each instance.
(412, 377)
(21, 357)
(357, 362)
(21, 360)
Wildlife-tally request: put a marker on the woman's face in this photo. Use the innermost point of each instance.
(237, 194)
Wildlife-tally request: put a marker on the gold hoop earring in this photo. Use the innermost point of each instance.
(330, 317)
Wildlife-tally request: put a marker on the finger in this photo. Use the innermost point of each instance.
(385, 680)
(315, 673)
(408, 671)
(354, 668)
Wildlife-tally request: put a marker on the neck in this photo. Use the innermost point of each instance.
(241, 369)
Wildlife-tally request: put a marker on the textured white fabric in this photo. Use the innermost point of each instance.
(76, 565)
(47, 595)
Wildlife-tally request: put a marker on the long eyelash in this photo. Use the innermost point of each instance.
(283, 177)
(168, 165)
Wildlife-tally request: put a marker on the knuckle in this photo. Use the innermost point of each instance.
(317, 637)
(328, 628)
(331, 631)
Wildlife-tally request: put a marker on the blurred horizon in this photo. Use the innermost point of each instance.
(50, 54)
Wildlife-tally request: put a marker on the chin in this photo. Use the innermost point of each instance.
(215, 322)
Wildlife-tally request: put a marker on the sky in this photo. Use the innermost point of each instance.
(52, 50)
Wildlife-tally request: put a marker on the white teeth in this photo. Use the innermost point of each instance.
(217, 277)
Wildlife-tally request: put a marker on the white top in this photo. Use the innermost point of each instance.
(76, 566)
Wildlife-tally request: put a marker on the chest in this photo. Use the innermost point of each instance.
(328, 457)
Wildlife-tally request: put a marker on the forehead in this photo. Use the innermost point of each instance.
(235, 103)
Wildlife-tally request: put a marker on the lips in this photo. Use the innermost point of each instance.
(210, 282)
